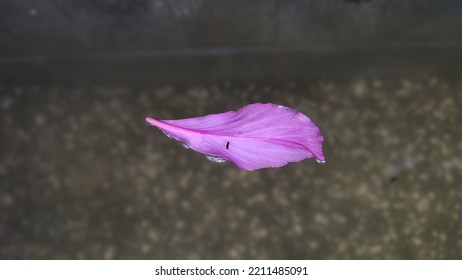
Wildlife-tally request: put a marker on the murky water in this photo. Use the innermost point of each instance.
(83, 176)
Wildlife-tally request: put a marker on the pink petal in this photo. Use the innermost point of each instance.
(256, 136)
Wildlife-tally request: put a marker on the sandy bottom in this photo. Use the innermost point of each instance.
(84, 177)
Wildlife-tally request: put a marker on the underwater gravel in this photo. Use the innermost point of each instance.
(83, 177)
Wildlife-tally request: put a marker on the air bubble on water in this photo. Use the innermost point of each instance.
(215, 158)
(170, 136)
(321, 160)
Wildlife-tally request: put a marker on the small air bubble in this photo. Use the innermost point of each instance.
(185, 145)
(215, 158)
(170, 136)
(321, 161)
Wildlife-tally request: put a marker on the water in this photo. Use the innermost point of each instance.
(82, 162)
(83, 177)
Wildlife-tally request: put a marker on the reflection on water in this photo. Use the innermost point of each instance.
(215, 158)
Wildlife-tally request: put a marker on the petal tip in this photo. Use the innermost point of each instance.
(150, 120)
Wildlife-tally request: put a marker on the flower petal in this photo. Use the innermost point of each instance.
(256, 136)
